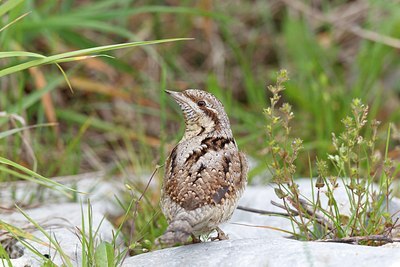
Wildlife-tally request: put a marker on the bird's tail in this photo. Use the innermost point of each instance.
(178, 231)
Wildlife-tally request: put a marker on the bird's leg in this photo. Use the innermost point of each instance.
(220, 235)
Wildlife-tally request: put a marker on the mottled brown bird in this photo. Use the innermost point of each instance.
(205, 173)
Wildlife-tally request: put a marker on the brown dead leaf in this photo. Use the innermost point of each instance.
(47, 102)
(88, 85)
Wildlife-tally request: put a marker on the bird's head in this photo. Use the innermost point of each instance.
(203, 112)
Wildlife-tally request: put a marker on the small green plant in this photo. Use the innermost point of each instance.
(95, 251)
(142, 221)
(353, 163)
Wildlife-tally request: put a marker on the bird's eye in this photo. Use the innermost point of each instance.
(201, 103)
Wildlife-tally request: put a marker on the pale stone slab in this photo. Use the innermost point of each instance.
(260, 246)
(251, 242)
(270, 252)
(61, 222)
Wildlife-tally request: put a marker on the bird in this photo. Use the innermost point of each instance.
(205, 174)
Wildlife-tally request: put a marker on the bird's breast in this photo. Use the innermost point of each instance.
(203, 171)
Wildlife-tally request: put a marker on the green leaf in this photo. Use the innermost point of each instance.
(104, 255)
(279, 193)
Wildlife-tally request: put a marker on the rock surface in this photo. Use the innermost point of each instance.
(253, 244)
(62, 220)
(254, 240)
(270, 252)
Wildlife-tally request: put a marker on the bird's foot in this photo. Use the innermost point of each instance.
(220, 235)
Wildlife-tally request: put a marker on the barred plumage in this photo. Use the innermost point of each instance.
(205, 173)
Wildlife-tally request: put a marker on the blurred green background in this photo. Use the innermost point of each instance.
(118, 116)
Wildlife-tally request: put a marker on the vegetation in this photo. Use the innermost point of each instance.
(69, 105)
(354, 168)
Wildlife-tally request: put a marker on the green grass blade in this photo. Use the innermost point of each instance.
(82, 52)
(7, 6)
(14, 21)
(4, 257)
(39, 178)
(17, 130)
(20, 54)
(52, 240)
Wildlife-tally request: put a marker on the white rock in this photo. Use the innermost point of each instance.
(61, 221)
(252, 242)
(270, 252)
(258, 245)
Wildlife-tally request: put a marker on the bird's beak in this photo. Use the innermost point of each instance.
(169, 92)
(177, 96)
